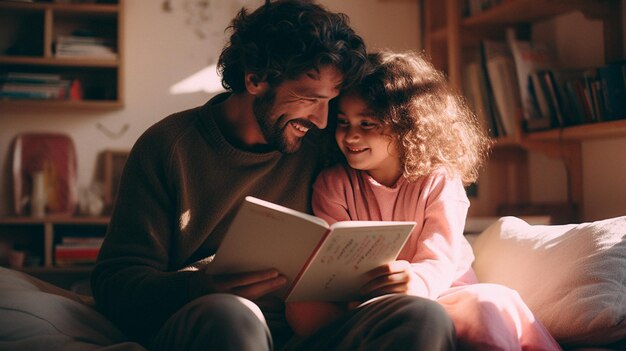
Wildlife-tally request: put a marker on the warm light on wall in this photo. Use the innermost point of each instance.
(205, 80)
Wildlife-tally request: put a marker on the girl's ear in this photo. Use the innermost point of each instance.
(254, 84)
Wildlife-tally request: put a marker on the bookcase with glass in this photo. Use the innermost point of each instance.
(61, 53)
(526, 100)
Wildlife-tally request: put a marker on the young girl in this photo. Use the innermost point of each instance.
(410, 143)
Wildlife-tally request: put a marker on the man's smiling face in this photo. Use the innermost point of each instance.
(288, 111)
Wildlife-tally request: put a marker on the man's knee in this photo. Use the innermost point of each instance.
(222, 320)
(225, 312)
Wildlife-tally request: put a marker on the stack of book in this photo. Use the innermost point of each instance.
(37, 86)
(77, 251)
(513, 81)
(84, 46)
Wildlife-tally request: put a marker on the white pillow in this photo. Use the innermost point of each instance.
(573, 277)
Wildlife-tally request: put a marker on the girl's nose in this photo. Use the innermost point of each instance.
(351, 134)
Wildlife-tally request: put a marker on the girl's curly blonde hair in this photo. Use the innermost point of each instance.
(431, 124)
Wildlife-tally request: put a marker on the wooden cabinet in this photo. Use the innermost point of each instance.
(448, 35)
(40, 38)
(38, 237)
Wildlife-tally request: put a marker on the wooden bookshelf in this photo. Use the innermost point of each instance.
(447, 34)
(30, 30)
(39, 235)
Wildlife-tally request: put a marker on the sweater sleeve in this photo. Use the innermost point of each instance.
(330, 195)
(436, 251)
(132, 281)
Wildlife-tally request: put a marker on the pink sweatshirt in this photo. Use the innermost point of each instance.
(439, 253)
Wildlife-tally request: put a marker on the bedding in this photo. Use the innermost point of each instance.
(35, 315)
(573, 277)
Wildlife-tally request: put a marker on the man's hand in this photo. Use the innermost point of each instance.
(250, 285)
(395, 277)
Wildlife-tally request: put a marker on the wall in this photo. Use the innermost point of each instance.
(162, 49)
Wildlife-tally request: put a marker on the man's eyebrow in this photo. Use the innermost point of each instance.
(312, 94)
(313, 74)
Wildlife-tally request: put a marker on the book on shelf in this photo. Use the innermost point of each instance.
(576, 99)
(82, 240)
(30, 77)
(539, 103)
(77, 250)
(475, 89)
(548, 98)
(613, 79)
(321, 262)
(500, 67)
(530, 58)
(39, 86)
(84, 46)
(35, 86)
(495, 120)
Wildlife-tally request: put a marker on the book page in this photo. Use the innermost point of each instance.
(263, 236)
(336, 273)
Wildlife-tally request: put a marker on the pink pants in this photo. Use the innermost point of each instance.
(494, 317)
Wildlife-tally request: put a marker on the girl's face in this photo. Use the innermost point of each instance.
(364, 141)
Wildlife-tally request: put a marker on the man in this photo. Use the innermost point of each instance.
(187, 175)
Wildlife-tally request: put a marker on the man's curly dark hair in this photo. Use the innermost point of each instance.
(285, 38)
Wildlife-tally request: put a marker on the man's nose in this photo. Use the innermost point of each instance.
(319, 116)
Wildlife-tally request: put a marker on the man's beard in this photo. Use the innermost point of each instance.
(272, 131)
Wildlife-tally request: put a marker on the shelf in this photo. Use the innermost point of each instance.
(524, 11)
(58, 61)
(55, 220)
(37, 105)
(612, 129)
(29, 42)
(579, 133)
(82, 8)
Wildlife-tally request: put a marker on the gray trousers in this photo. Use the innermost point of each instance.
(228, 322)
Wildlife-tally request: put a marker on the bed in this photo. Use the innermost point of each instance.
(572, 276)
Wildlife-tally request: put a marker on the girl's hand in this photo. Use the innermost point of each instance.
(395, 277)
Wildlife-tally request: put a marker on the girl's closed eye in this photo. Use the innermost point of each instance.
(365, 124)
(342, 122)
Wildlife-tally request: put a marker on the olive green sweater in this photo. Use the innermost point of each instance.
(179, 191)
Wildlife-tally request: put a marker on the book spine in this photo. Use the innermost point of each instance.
(307, 263)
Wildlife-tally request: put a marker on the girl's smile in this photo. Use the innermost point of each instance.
(365, 142)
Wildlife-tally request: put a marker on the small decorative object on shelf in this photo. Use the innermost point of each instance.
(53, 157)
(38, 198)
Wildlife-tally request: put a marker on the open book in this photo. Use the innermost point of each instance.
(321, 262)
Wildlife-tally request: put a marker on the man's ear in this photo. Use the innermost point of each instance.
(254, 84)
